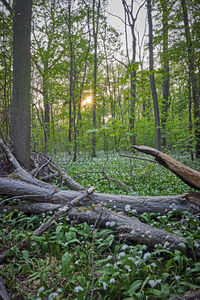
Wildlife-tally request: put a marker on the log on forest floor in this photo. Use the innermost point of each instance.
(19, 190)
(20, 185)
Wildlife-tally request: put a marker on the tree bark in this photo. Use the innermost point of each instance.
(192, 77)
(152, 79)
(18, 189)
(20, 127)
(188, 175)
(166, 77)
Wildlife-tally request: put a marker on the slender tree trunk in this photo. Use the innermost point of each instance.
(192, 77)
(152, 79)
(20, 128)
(70, 74)
(190, 119)
(166, 78)
(95, 60)
(46, 120)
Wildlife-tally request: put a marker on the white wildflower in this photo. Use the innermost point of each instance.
(153, 283)
(127, 207)
(177, 277)
(104, 286)
(112, 280)
(108, 265)
(52, 296)
(137, 262)
(130, 258)
(144, 247)
(109, 257)
(41, 289)
(78, 289)
(127, 268)
(153, 265)
(166, 244)
(124, 247)
(64, 208)
(147, 255)
(112, 224)
(121, 254)
(76, 262)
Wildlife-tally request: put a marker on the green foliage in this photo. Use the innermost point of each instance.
(75, 262)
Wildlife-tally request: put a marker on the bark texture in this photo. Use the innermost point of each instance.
(188, 175)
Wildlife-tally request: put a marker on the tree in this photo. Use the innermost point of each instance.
(192, 77)
(165, 63)
(95, 23)
(132, 66)
(20, 117)
(152, 79)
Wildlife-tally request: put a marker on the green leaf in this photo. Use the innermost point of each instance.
(135, 285)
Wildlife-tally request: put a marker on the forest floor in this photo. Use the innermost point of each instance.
(80, 262)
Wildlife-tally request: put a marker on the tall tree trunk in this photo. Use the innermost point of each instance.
(192, 77)
(95, 60)
(20, 128)
(152, 79)
(71, 84)
(166, 79)
(46, 120)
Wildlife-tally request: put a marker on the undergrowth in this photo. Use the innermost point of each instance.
(72, 261)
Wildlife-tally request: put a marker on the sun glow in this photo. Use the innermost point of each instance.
(87, 101)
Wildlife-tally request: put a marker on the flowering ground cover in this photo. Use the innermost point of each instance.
(72, 261)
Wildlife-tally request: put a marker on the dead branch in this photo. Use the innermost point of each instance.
(188, 296)
(160, 204)
(3, 292)
(62, 211)
(188, 175)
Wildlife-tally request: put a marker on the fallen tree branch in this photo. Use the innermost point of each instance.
(159, 204)
(3, 292)
(188, 296)
(188, 175)
(62, 211)
(124, 226)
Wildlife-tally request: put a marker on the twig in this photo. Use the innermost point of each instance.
(135, 157)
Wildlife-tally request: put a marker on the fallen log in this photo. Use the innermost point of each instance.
(125, 227)
(20, 190)
(188, 296)
(61, 212)
(188, 175)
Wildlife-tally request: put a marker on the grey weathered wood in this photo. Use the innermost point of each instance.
(160, 204)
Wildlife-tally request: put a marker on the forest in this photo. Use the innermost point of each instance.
(99, 149)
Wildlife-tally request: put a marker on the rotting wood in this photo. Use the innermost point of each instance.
(191, 295)
(125, 227)
(61, 212)
(18, 189)
(186, 174)
(3, 292)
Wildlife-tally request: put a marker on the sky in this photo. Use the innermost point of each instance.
(115, 7)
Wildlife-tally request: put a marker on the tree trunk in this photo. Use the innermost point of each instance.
(166, 78)
(20, 127)
(95, 60)
(192, 77)
(152, 79)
